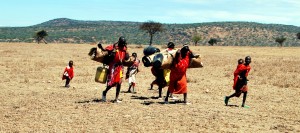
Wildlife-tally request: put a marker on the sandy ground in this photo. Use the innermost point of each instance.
(33, 99)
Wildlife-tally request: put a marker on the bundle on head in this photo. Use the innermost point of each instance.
(98, 55)
(164, 59)
(106, 55)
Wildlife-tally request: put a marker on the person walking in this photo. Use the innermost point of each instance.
(115, 67)
(68, 74)
(241, 85)
(178, 80)
(131, 73)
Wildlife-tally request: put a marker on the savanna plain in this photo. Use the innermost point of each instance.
(33, 97)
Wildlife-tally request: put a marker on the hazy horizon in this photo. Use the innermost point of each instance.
(19, 13)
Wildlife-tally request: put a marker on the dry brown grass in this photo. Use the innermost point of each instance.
(33, 98)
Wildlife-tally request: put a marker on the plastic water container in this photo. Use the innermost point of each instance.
(157, 60)
(167, 73)
(101, 74)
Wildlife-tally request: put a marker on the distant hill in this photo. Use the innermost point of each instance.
(64, 30)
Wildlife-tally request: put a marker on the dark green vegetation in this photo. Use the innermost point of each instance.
(65, 30)
(40, 36)
(280, 40)
(212, 41)
(151, 28)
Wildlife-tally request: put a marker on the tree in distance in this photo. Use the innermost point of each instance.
(298, 35)
(280, 40)
(212, 41)
(196, 39)
(151, 28)
(40, 36)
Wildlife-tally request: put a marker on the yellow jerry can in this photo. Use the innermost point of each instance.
(167, 75)
(101, 74)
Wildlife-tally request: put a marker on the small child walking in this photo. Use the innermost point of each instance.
(68, 74)
(131, 72)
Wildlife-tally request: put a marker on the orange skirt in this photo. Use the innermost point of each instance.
(178, 87)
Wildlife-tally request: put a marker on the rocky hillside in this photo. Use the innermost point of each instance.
(65, 30)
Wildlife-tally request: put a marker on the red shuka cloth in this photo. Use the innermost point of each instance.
(70, 72)
(178, 80)
(115, 74)
(240, 69)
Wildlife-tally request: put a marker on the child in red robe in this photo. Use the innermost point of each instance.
(236, 72)
(68, 74)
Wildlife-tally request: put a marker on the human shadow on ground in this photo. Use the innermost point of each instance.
(148, 102)
(64, 87)
(232, 105)
(162, 102)
(95, 100)
(124, 92)
(154, 97)
(88, 101)
(139, 97)
(166, 103)
(128, 92)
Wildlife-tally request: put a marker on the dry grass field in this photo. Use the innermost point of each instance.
(33, 99)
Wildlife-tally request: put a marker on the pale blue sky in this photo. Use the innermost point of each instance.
(31, 12)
